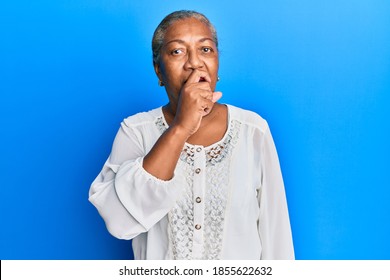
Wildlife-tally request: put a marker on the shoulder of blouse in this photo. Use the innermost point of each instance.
(142, 118)
(247, 117)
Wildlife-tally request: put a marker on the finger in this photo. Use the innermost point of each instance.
(206, 93)
(203, 86)
(216, 96)
(197, 76)
(193, 77)
(206, 106)
(206, 110)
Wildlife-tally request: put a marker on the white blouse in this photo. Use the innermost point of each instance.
(225, 201)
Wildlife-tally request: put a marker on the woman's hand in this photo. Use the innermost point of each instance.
(196, 100)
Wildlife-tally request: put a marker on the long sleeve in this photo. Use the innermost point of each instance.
(129, 199)
(274, 222)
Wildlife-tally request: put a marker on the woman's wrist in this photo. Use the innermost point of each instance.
(178, 133)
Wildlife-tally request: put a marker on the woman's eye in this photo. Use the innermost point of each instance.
(207, 49)
(176, 52)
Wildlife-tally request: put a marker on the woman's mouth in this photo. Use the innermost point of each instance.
(201, 80)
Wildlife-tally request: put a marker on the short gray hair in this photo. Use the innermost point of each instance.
(159, 33)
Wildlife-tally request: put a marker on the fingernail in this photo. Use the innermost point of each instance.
(216, 96)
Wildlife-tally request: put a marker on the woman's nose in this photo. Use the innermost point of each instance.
(194, 61)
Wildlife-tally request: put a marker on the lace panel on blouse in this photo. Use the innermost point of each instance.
(181, 217)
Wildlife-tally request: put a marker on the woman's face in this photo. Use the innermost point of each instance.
(188, 45)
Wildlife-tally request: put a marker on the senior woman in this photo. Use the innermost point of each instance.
(194, 179)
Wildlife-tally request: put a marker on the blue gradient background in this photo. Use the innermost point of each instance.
(318, 71)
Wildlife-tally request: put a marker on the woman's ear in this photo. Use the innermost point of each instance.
(157, 70)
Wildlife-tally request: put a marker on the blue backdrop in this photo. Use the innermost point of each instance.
(318, 71)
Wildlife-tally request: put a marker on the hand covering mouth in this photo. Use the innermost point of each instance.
(201, 79)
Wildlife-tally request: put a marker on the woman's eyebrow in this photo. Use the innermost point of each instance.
(206, 39)
(183, 42)
(175, 41)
